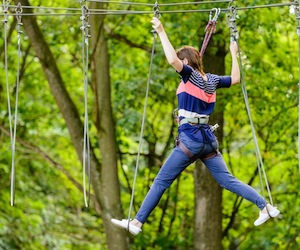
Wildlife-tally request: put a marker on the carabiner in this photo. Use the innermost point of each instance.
(217, 13)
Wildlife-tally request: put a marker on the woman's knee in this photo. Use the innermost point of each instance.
(160, 186)
(227, 181)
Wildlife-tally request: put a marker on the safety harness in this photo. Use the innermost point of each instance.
(200, 120)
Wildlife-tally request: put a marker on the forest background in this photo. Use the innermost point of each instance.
(49, 210)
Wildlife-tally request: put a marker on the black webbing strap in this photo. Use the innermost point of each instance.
(184, 148)
(189, 153)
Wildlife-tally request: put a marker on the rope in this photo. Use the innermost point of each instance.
(86, 142)
(156, 14)
(210, 29)
(77, 11)
(234, 37)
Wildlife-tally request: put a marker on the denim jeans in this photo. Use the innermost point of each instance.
(178, 161)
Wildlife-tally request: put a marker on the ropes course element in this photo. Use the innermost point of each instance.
(297, 13)
(235, 37)
(156, 14)
(44, 11)
(12, 176)
(13, 144)
(210, 29)
(161, 4)
(86, 142)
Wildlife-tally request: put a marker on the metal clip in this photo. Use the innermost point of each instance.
(217, 13)
(231, 19)
(19, 12)
(156, 10)
(214, 127)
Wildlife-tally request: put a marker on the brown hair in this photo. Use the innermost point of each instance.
(193, 57)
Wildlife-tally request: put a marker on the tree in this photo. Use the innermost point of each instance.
(208, 193)
(106, 194)
(49, 212)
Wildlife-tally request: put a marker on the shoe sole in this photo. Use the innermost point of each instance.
(274, 213)
(124, 225)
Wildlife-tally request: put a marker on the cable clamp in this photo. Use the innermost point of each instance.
(5, 11)
(19, 12)
(156, 10)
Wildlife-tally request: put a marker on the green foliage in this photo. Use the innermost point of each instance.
(49, 212)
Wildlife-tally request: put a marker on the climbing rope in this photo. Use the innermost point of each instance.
(86, 142)
(156, 14)
(210, 29)
(231, 17)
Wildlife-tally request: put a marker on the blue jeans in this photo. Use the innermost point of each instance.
(178, 161)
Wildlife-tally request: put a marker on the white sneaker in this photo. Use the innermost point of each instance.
(264, 216)
(124, 224)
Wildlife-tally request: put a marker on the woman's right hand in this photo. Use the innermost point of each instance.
(157, 25)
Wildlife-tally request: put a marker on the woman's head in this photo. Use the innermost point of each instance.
(193, 57)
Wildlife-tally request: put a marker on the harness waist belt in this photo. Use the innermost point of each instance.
(195, 120)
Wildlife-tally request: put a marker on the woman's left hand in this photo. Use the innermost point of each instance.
(234, 47)
(157, 25)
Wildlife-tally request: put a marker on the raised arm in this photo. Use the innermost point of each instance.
(169, 50)
(235, 70)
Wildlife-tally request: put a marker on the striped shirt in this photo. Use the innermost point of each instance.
(197, 97)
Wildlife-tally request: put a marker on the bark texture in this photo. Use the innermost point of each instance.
(107, 196)
(208, 194)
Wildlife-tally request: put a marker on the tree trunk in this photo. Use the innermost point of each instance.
(116, 238)
(107, 195)
(208, 194)
(59, 92)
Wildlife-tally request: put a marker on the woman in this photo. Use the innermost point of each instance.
(196, 100)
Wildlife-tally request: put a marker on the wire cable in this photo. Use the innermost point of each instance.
(297, 12)
(156, 14)
(86, 142)
(12, 175)
(77, 11)
(235, 37)
(161, 4)
(13, 146)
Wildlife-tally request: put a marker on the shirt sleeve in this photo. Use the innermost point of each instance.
(185, 73)
(224, 82)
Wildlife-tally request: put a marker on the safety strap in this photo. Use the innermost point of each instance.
(195, 120)
(210, 29)
(189, 153)
(184, 148)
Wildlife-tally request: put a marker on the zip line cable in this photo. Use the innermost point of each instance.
(77, 11)
(234, 36)
(156, 14)
(86, 142)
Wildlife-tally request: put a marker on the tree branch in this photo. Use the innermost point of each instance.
(57, 165)
(126, 40)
